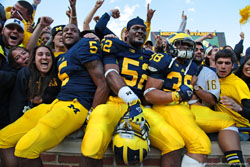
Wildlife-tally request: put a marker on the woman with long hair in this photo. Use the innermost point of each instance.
(244, 71)
(35, 84)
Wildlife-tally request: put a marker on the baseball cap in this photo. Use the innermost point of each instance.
(135, 21)
(56, 29)
(14, 21)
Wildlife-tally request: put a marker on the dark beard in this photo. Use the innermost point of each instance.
(137, 44)
(198, 62)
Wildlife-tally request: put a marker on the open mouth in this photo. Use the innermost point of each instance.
(13, 37)
(26, 62)
(44, 64)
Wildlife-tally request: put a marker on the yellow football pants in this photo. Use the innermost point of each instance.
(42, 128)
(104, 119)
(182, 119)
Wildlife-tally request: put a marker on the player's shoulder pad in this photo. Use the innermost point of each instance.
(161, 57)
(87, 40)
(159, 61)
(113, 45)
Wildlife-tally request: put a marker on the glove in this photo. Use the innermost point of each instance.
(135, 112)
(185, 92)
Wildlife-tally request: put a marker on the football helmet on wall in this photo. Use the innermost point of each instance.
(130, 143)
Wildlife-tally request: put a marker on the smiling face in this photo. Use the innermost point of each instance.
(45, 38)
(43, 60)
(12, 35)
(58, 39)
(21, 57)
(70, 35)
(19, 12)
(137, 35)
(246, 69)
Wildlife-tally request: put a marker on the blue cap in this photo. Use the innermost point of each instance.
(135, 21)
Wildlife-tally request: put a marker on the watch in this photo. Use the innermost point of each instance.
(196, 87)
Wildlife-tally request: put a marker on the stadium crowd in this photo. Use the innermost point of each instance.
(59, 82)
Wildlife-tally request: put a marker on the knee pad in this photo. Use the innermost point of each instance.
(93, 144)
(26, 147)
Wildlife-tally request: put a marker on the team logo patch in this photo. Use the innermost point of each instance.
(74, 109)
(132, 50)
(190, 93)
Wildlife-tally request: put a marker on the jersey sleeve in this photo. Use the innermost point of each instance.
(109, 50)
(209, 81)
(158, 64)
(243, 91)
(89, 50)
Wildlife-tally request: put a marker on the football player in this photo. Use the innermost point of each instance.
(168, 88)
(126, 72)
(83, 86)
(207, 92)
(232, 87)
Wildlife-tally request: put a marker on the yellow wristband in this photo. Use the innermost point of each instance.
(175, 97)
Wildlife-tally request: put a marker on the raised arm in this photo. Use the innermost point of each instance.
(89, 17)
(44, 21)
(207, 36)
(101, 26)
(238, 49)
(73, 17)
(183, 22)
(150, 14)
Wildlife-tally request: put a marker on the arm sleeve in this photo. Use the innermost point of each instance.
(157, 66)
(89, 50)
(182, 26)
(101, 26)
(19, 97)
(148, 31)
(238, 49)
(7, 78)
(245, 108)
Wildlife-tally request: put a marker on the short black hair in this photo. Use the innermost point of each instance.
(199, 43)
(27, 6)
(225, 53)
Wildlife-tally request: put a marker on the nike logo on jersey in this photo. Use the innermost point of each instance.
(74, 109)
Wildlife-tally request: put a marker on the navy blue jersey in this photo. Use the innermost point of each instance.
(76, 81)
(173, 76)
(133, 64)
